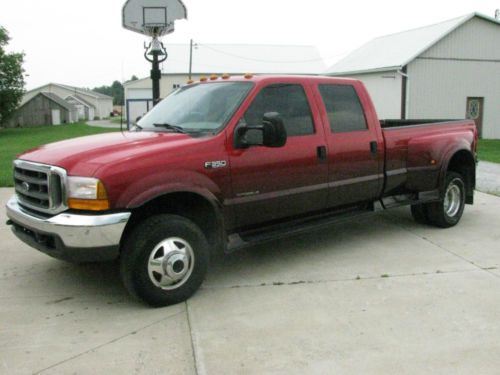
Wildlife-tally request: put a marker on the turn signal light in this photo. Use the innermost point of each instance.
(100, 203)
(88, 204)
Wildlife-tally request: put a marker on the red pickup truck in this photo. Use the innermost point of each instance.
(227, 162)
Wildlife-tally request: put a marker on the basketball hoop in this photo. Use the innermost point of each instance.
(154, 18)
(157, 30)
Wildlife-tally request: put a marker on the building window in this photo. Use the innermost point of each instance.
(176, 86)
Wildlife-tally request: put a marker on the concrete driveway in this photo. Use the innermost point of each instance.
(381, 295)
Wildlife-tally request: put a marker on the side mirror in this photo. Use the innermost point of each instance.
(271, 133)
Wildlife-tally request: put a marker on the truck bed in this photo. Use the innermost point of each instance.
(416, 149)
(392, 123)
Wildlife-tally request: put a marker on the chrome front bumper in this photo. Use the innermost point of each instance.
(66, 234)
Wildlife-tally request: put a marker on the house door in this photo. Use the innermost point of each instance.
(475, 112)
(56, 117)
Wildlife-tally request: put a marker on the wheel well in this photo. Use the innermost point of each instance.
(189, 205)
(463, 162)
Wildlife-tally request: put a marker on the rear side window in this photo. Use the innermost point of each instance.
(290, 101)
(343, 108)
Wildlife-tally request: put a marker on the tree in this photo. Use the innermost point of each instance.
(11, 78)
(134, 78)
(115, 90)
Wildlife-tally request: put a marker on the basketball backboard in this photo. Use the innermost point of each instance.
(154, 18)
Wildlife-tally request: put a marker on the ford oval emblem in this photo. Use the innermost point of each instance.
(26, 186)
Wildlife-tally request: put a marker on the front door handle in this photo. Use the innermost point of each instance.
(321, 152)
(373, 147)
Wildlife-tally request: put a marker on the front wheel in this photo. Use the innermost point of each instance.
(448, 212)
(164, 260)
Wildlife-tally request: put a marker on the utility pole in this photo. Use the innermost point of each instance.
(190, 58)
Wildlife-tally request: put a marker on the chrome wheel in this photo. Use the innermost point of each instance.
(452, 199)
(171, 263)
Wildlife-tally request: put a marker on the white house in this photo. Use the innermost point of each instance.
(101, 105)
(447, 70)
(207, 59)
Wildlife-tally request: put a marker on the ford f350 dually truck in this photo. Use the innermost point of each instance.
(224, 163)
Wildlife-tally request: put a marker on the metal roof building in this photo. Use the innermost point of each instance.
(446, 70)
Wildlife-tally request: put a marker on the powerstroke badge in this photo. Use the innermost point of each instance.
(215, 164)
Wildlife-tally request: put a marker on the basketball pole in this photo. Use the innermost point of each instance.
(156, 50)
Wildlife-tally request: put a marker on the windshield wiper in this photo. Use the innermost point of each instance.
(175, 128)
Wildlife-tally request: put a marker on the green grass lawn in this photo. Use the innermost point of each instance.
(15, 141)
(489, 150)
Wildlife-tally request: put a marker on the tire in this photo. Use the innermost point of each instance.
(164, 260)
(419, 213)
(448, 212)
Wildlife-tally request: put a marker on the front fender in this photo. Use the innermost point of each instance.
(161, 183)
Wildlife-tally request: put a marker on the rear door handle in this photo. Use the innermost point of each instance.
(373, 147)
(321, 152)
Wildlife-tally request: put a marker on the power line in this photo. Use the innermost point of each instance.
(266, 61)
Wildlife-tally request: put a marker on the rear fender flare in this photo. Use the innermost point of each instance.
(462, 147)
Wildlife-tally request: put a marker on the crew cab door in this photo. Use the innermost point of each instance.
(274, 183)
(355, 143)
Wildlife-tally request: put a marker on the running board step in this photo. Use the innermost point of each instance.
(238, 241)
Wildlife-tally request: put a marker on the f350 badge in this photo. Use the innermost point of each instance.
(215, 164)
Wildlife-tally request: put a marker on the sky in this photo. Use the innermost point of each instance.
(82, 43)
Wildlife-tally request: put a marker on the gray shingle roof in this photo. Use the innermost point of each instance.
(84, 91)
(63, 103)
(81, 100)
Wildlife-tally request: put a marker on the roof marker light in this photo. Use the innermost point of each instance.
(203, 79)
(248, 75)
(226, 76)
(213, 77)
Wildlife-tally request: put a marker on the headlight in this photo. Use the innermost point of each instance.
(86, 193)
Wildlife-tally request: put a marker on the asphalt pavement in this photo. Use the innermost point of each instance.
(106, 124)
(378, 295)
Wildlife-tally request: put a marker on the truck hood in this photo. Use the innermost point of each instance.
(83, 156)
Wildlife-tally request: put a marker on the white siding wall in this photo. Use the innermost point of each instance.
(476, 39)
(464, 64)
(385, 91)
(104, 107)
(59, 91)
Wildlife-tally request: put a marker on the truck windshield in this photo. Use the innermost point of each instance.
(203, 107)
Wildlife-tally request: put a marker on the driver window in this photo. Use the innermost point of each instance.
(290, 101)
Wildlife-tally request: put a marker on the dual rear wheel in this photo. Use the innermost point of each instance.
(447, 212)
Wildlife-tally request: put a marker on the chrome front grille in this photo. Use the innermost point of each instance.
(40, 187)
